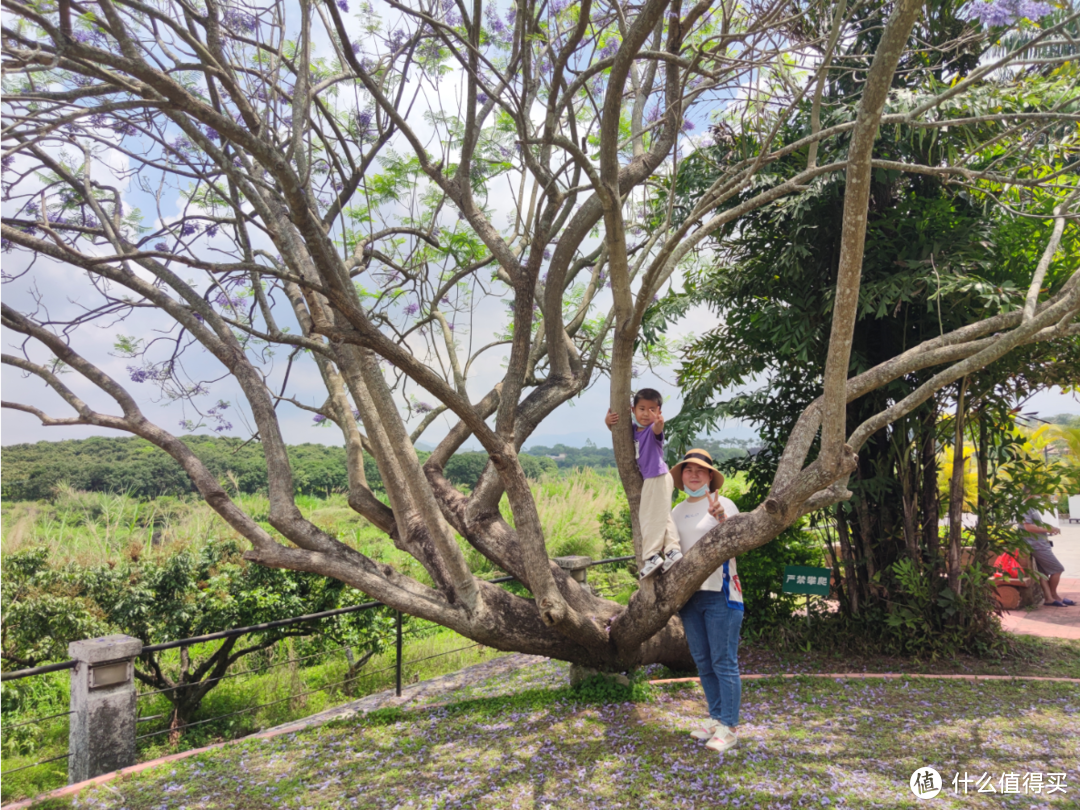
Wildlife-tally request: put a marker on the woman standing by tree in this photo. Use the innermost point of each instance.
(713, 616)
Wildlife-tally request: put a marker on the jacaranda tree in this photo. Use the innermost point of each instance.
(300, 179)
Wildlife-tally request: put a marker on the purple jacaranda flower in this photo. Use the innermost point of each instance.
(482, 98)
(225, 300)
(1004, 12)
(610, 47)
(451, 327)
(343, 5)
(412, 309)
(238, 20)
(363, 124)
(356, 414)
(423, 407)
(547, 253)
(5, 244)
(188, 228)
(7, 161)
(356, 47)
(211, 230)
(318, 419)
(140, 374)
(495, 23)
(90, 37)
(687, 125)
(397, 41)
(213, 134)
(161, 246)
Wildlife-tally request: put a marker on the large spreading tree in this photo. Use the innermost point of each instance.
(319, 184)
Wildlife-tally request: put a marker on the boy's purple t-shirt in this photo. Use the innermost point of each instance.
(650, 452)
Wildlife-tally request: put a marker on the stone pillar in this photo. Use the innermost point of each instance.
(577, 567)
(102, 735)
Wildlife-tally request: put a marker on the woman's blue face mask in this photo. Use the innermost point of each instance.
(697, 493)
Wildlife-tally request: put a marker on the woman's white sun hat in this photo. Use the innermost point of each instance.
(700, 458)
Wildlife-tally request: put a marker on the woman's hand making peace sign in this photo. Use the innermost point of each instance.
(716, 509)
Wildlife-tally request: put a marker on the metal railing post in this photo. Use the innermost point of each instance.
(397, 666)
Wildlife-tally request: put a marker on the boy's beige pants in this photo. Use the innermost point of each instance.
(658, 532)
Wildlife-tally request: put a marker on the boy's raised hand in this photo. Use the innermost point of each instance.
(658, 424)
(716, 509)
(611, 419)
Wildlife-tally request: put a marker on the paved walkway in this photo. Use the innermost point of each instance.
(1049, 622)
(1054, 622)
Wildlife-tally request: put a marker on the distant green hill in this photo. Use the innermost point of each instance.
(569, 458)
(138, 468)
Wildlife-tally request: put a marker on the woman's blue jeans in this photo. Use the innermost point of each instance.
(712, 631)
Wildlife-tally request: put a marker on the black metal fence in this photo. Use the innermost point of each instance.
(399, 667)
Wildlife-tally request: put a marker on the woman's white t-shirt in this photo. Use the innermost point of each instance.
(693, 522)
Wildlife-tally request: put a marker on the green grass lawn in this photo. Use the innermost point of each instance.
(523, 743)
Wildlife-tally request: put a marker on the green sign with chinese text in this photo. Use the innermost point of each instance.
(803, 579)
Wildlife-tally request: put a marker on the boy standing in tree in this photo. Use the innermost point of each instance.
(659, 538)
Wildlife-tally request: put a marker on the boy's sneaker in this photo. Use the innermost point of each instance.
(723, 739)
(651, 566)
(673, 557)
(705, 730)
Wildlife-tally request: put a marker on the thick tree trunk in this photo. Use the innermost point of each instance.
(956, 492)
(851, 576)
(929, 490)
(982, 530)
(907, 464)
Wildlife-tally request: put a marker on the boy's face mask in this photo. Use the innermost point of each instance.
(637, 424)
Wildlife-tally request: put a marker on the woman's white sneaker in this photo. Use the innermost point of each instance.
(723, 739)
(705, 730)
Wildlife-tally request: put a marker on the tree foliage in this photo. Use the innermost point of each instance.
(937, 255)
